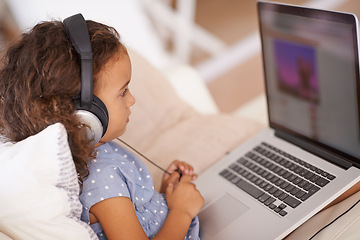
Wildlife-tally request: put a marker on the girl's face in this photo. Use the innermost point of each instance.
(112, 88)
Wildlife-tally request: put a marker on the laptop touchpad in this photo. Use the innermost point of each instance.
(219, 214)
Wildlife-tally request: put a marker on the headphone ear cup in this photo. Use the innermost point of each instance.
(100, 110)
(96, 118)
(94, 128)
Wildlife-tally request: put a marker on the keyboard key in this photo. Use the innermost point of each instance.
(274, 179)
(324, 174)
(311, 192)
(278, 170)
(254, 179)
(235, 180)
(268, 187)
(297, 180)
(278, 193)
(303, 172)
(300, 194)
(272, 206)
(282, 206)
(318, 170)
(258, 182)
(292, 177)
(284, 185)
(283, 196)
(269, 201)
(289, 188)
(273, 190)
(250, 189)
(264, 174)
(241, 160)
(308, 186)
(303, 184)
(270, 176)
(292, 202)
(263, 184)
(282, 213)
(279, 182)
(309, 175)
(298, 170)
(331, 177)
(287, 175)
(264, 197)
(294, 191)
(225, 173)
(277, 209)
(322, 182)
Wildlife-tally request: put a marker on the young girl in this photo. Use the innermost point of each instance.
(39, 79)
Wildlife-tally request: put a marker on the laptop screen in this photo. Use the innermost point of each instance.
(312, 75)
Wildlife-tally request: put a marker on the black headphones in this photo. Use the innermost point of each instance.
(90, 109)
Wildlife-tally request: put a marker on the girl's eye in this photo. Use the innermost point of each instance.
(124, 92)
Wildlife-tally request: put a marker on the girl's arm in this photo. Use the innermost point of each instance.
(119, 221)
(184, 203)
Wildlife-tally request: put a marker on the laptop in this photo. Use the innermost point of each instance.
(310, 153)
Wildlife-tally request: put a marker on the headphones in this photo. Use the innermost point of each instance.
(90, 109)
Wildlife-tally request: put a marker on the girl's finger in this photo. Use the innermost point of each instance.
(186, 178)
(169, 189)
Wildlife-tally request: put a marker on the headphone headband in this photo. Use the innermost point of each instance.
(77, 31)
(90, 110)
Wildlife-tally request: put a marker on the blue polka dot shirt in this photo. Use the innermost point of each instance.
(116, 172)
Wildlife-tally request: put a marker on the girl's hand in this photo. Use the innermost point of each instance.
(185, 198)
(185, 168)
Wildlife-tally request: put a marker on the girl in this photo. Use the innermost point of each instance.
(40, 78)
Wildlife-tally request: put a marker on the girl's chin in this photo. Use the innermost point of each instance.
(122, 131)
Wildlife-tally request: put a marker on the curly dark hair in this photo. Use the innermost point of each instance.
(39, 78)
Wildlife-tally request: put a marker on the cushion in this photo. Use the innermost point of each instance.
(164, 128)
(157, 106)
(200, 141)
(39, 189)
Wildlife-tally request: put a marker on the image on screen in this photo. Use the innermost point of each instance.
(296, 70)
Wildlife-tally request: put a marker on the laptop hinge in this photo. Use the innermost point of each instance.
(321, 152)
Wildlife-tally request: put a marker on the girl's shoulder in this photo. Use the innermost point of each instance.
(111, 150)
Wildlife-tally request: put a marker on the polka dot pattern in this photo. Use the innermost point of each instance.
(118, 173)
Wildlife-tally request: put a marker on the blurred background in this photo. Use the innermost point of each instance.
(218, 38)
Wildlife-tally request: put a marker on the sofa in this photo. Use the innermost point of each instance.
(38, 186)
(164, 127)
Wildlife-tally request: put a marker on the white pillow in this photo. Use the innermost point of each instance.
(39, 189)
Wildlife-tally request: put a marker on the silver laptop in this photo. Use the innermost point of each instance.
(310, 154)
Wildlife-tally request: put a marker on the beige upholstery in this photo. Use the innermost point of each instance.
(165, 128)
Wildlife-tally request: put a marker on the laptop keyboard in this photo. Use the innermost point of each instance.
(269, 174)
